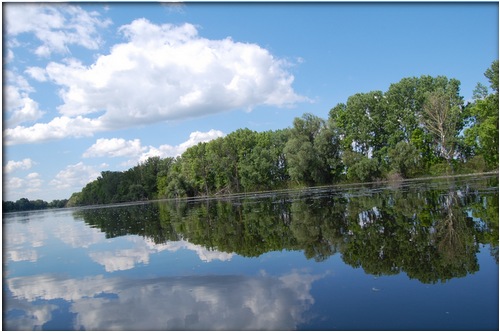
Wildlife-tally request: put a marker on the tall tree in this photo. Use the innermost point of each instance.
(482, 136)
(442, 117)
(308, 152)
(197, 169)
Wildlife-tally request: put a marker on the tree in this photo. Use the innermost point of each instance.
(442, 117)
(482, 136)
(492, 75)
(413, 104)
(195, 168)
(360, 167)
(264, 167)
(311, 151)
(405, 159)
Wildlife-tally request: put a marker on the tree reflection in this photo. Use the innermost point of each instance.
(431, 234)
(318, 225)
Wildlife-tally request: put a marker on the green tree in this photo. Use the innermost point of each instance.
(197, 169)
(482, 136)
(443, 118)
(360, 167)
(312, 151)
(264, 167)
(405, 159)
(414, 106)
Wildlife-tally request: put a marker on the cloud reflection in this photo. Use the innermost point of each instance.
(33, 318)
(170, 303)
(25, 240)
(142, 248)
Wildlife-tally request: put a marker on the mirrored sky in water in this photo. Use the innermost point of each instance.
(61, 273)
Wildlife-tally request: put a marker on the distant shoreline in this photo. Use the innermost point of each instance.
(258, 194)
(283, 191)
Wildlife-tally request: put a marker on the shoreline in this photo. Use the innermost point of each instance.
(257, 194)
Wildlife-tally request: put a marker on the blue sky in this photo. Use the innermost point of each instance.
(101, 86)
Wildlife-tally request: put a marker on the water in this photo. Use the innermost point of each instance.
(408, 256)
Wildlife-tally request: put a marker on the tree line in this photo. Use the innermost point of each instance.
(25, 204)
(420, 126)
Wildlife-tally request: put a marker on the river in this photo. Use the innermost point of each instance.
(415, 255)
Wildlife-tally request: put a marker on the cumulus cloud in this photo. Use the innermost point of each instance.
(15, 183)
(114, 147)
(203, 253)
(35, 316)
(77, 234)
(59, 127)
(55, 26)
(167, 150)
(77, 175)
(123, 259)
(160, 73)
(34, 182)
(13, 165)
(119, 147)
(24, 239)
(37, 73)
(168, 72)
(223, 302)
(19, 106)
(8, 57)
(29, 184)
(22, 255)
(143, 248)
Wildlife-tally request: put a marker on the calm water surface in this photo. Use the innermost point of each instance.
(412, 256)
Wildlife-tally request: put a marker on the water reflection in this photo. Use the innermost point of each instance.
(189, 303)
(95, 268)
(141, 249)
(430, 233)
(26, 240)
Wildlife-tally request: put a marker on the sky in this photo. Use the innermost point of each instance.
(90, 87)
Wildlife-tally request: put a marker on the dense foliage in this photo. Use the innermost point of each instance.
(420, 126)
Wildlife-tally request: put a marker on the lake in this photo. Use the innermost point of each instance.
(415, 255)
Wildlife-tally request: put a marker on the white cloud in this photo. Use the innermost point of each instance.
(33, 182)
(114, 147)
(143, 248)
(75, 176)
(9, 56)
(35, 316)
(18, 103)
(119, 147)
(168, 72)
(166, 150)
(25, 238)
(199, 137)
(120, 260)
(225, 302)
(174, 7)
(16, 186)
(161, 73)
(22, 255)
(203, 253)
(77, 234)
(37, 73)
(14, 183)
(32, 176)
(59, 127)
(56, 26)
(12, 165)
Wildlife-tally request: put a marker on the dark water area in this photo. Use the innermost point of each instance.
(417, 255)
